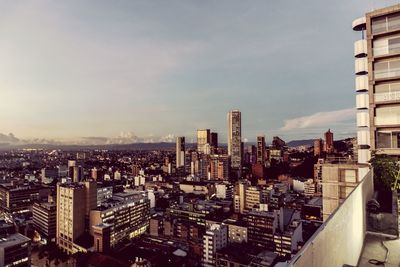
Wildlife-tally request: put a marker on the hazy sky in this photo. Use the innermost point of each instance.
(76, 69)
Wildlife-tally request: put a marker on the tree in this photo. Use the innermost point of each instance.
(386, 172)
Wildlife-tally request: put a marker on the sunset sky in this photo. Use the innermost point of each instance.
(76, 69)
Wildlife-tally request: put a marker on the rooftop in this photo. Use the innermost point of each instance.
(13, 240)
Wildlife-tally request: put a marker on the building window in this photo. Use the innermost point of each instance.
(387, 115)
(387, 45)
(386, 24)
(387, 68)
(388, 139)
(387, 92)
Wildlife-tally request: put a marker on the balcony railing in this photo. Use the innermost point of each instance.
(390, 96)
(339, 240)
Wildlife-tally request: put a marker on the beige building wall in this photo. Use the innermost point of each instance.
(338, 181)
(70, 215)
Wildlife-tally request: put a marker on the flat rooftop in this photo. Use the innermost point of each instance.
(378, 247)
(12, 240)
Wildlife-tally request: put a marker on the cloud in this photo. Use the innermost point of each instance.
(125, 138)
(319, 119)
(8, 138)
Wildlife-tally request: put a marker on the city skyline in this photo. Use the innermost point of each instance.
(77, 72)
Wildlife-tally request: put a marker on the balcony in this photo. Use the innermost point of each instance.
(362, 119)
(359, 24)
(362, 83)
(361, 66)
(344, 238)
(360, 48)
(387, 97)
(362, 101)
(363, 137)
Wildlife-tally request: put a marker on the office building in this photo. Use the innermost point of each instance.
(328, 144)
(14, 197)
(240, 196)
(49, 174)
(104, 193)
(252, 198)
(215, 238)
(44, 216)
(237, 231)
(203, 138)
(224, 190)
(219, 167)
(261, 227)
(15, 250)
(70, 216)
(278, 143)
(214, 142)
(261, 150)
(127, 216)
(180, 152)
(235, 140)
(318, 147)
(289, 234)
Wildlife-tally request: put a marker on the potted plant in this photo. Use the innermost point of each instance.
(386, 170)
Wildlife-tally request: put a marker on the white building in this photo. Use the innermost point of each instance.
(216, 237)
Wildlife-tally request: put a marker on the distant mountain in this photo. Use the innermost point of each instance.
(306, 142)
(135, 146)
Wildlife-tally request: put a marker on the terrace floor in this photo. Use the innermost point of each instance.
(374, 249)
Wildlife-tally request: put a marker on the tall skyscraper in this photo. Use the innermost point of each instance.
(203, 138)
(235, 139)
(214, 142)
(318, 147)
(261, 149)
(378, 92)
(70, 215)
(74, 202)
(180, 151)
(328, 142)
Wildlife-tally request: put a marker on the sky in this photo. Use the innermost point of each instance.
(143, 70)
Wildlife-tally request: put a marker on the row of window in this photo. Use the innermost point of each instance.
(386, 23)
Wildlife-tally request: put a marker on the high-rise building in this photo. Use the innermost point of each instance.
(180, 152)
(328, 145)
(75, 173)
(203, 138)
(235, 139)
(261, 149)
(216, 237)
(127, 217)
(219, 167)
(74, 202)
(49, 174)
(70, 216)
(378, 83)
(278, 143)
(318, 147)
(261, 227)
(45, 219)
(15, 198)
(240, 196)
(252, 197)
(214, 142)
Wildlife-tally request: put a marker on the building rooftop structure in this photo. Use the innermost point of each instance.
(13, 240)
(340, 239)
